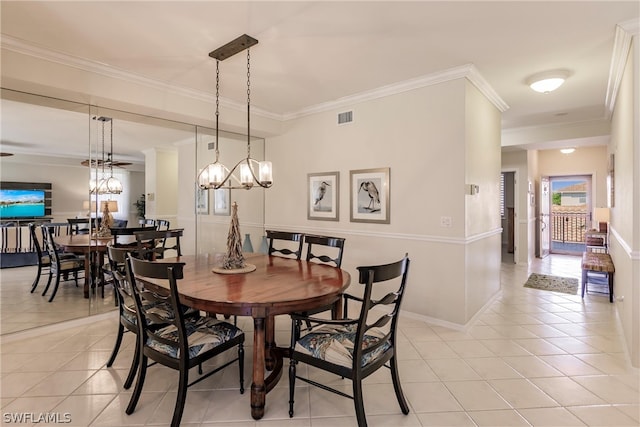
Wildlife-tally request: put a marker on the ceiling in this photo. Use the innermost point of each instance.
(313, 53)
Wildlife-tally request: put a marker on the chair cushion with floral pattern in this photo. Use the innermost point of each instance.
(335, 344)
(162, 309)
(204, 334)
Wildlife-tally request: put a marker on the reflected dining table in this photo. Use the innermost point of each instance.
(277, 286)
(93, 249)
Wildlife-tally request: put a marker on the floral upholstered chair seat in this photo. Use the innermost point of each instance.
(203, 334)
(335, 344)
(162, 309)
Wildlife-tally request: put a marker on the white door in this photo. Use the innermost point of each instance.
(545, 217)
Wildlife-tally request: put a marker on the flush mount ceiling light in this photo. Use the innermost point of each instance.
(547, 81)
(567, 150)
(252, 172)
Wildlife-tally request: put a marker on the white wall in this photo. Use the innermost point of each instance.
(422, 136)
(624, 226)
(161, 184)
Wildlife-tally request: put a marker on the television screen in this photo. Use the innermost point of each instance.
(21, 203)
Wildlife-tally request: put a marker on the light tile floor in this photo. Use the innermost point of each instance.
(534, 358)
(21, 310)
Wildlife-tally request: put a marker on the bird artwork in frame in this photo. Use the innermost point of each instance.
(323, 196)
(370, 195)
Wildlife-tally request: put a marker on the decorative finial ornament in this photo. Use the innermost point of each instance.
(106, 223)
(233, 261)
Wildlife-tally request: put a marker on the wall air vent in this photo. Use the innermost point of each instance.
(346, 117)
(211, 146)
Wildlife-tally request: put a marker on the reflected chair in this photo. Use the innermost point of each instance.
(120, 223)
(130, 231)
(152, 245)
(162, 224)
(78, 225)
(354, 348)
(286, 250)
(59, 266)
(176, 341)
(44, 262)
(146, 222)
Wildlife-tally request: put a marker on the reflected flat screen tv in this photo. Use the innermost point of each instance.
(21, 203)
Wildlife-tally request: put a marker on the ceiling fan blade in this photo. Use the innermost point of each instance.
(107, 163)
(88, 162)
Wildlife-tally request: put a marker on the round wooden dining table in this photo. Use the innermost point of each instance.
(93, 250)
(277, 286)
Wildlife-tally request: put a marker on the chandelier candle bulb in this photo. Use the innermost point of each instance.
(265, 173)
(246, 177)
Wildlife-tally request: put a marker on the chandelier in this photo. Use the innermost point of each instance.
(107, 184)
(250, 172)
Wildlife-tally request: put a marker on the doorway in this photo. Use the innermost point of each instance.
(570, 213)
(508, 216)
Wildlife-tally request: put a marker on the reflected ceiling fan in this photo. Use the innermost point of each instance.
(108, 162)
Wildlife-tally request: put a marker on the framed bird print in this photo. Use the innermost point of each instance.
(323, 196)
(370, 195)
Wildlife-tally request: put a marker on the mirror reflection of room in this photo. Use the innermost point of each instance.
(57, 166)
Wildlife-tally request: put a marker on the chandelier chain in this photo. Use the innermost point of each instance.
(217, 105)
(248, 103)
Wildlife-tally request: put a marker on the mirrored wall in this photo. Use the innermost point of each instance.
(62, 142)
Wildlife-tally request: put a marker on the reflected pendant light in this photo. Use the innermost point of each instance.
(251, 172)
(110, 184)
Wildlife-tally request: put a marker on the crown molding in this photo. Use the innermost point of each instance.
(22, 47)
(485, 88)
(467, 71)
(621, 45)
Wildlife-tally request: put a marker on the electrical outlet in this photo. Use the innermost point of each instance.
(445, 221)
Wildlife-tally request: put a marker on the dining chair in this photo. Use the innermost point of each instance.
(44, 262)
(146, 222)
(76, 223)
(153, 244)
(59, 266)
(313, 254)
(126, 231)
(162, 224)
(127, 319)
(176, 341)
(285, 250)
(354, 348)
(317, 251)
(120, 223)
